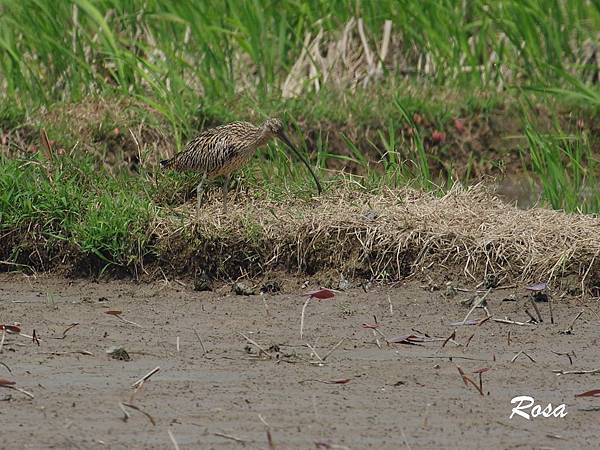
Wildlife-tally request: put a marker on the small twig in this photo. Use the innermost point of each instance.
(568, 355)
(129, 405)
(511, 322)
(537, 311)
(7, 368)
(314, 352)
(519, 354)
(175, 444)
(178, 343)
(469, 340)
(550, 306)
(64, 333)
(391, 307)
(126, 415)
(476, 304)
(531, 318)
(233, 438)
(22, 391)
(201, 343)
(570, 329)
(2, 340)
(139, 382)
(575, 372)
(302, 317)
(452, 336)
(257, 345)
(333, 348)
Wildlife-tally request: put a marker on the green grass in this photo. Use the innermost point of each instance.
(72, 203)
(566, 169)
(113, 81)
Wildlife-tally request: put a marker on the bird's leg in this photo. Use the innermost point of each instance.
(199, 195)
(225, 187)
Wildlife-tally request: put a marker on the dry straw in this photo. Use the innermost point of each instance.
(389, 236)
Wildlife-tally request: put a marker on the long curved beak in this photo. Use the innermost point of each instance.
(281, 135)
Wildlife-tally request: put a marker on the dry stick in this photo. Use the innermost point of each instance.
(2, 340)
(511, 322)
(469, 340)
(118, 316)
(314, 351)
(376, 340)
(533, 319)
(519, 354)
(64, 333)
(201, 343)
(22, 391)
(302, 316)
(177, 343)
(382, 335)
(257, 345)
(537, 311)
(333, 348)
(575, 372)
(568, 355)
(175, 444)
(508, 337)
(550, 306)
(139, 382)
(7, 368)
(233, 438)
(476, 304)
(391, 307)
(126, 415)
(268, 430)
(570, 329)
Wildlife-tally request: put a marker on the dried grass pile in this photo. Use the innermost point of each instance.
(387, 236)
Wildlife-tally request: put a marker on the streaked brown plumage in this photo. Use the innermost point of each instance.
(224, 149)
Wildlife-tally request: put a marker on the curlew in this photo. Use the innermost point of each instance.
(222, 150)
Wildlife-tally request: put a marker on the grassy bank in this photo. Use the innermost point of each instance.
(379, 94)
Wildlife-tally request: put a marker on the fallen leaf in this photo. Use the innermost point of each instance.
(537, 287)
(410, 339)
(4, 382)
(467, 322)
(592, 393)
(482, 370)
(114, 312)
(10, 328)
(371, 325)
(321, 294)
(339, 381)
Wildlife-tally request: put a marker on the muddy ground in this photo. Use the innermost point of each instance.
(397, 396)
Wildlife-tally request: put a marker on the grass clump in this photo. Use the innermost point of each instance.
(72, 204)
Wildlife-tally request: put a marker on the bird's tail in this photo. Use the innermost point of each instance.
(165, 163)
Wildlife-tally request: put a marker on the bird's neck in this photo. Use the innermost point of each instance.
(263, 137)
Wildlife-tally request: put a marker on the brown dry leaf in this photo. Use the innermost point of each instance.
(409, 339)
(321, 294)
(592, 393)
(338, 381)
(10, 328)
(4, 382)
(114, 312)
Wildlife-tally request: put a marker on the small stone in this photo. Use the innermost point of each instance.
(118, 353)
(242, 289)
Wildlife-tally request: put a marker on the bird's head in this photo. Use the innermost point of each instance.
(273, 126)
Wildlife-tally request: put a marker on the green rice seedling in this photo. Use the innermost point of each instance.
(565, 167)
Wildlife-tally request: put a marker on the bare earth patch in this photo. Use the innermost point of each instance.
(218, 390)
